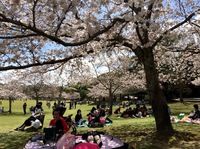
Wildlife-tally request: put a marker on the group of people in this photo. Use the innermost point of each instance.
(60, 123)
(138, 111)
(98, 116)
(57, 122)
(95, 116)
(193, 117)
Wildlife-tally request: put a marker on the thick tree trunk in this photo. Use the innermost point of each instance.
(159, 105)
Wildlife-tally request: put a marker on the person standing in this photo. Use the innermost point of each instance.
(24, 108)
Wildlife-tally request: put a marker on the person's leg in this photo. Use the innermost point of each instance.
(21, 127)
(26, 122)
(82, 121)
(108, 119)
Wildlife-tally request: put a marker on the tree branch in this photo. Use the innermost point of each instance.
(42, 63)
(18, 36)
(173, 28)
(57, 40)
(35, 3)
(59, 25)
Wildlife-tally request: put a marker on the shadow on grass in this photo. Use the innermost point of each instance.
(135, 136)
(14, 140)
(17, 139)
(146, 138)
(12, 114)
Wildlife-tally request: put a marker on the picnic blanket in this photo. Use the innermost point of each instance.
(189, 120)
(185, 120)
(108, 142)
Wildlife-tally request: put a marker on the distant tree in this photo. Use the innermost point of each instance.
(12, 90)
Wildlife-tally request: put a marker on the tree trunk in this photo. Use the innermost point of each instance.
(37, 99)
(10, 105)
(59, 99)
(111, 102)
(159, 105)
(181, 91)
(60, 95)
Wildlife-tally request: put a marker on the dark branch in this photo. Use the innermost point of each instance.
(35, 3)
(57, 40)
(18, 36)
(173, 28)
(64, 60)
(59, 25)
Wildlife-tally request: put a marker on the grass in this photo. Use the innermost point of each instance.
(139, 133)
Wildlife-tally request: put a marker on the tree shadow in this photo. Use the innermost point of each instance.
(147, 138)
(14, 140)
(139, 138)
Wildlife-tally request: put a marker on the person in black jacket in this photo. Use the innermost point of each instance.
(78, 118)
(196, 112)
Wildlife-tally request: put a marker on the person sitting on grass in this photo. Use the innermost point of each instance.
(37, 109)
(193, 116)
(117, 111)
(78, 118)
(191, 113)
(34, 119)
(196, 114)
(58, 122)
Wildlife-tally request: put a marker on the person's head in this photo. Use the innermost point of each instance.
(78, 111)
(93, 108)
(56, 114)
(196, 107)
(96, 111)
(40, 104)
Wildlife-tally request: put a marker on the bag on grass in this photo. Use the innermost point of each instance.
(87, 145)
(36, 124)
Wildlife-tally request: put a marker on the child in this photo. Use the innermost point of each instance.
(191, 113)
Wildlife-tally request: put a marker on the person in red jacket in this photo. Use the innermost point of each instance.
(59, 122)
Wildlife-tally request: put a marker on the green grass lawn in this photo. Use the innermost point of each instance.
(137, 132)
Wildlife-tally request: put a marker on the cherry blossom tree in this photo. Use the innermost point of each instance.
(176, 59)
(41, 32)
(12, 90)
(34, 85)
(148, 30)
(111, 75)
